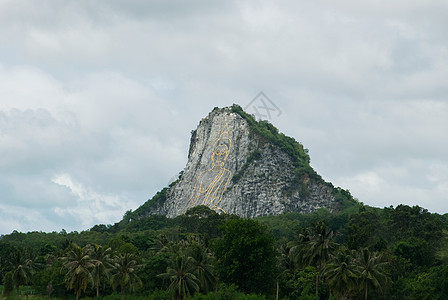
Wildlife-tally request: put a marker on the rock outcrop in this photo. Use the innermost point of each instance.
(237, 165)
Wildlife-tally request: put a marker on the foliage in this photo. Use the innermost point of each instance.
(183, 283)
(78, 264)
(159, 197)
(124, 272)
(22, 267)
(371, 266)
(302, 283)
(316, 247)
(246, 256)
(391, 253)
(415, 250)
(265, 132)
(201, 219)
(405, 222)
(364, 228)
(102, 263)
(268, 132)
(202, 264)
(342, 274)
(227, 292)
(8, 285)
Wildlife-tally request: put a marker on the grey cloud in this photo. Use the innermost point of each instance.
(106, 92)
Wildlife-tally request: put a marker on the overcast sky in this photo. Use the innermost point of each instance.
(98, 98)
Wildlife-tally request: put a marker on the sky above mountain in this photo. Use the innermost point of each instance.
(98, 98)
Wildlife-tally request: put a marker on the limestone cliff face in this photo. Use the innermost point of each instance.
(235, 168)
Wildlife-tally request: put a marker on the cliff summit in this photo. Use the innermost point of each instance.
(237, 165)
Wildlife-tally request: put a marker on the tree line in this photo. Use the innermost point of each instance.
(359, 253)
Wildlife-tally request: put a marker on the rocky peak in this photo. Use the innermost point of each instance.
(239, 166)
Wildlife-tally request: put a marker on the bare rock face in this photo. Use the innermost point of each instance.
(239, 166)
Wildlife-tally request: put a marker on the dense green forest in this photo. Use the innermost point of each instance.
(359, 252)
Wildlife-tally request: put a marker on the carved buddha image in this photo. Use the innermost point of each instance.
(210, 184)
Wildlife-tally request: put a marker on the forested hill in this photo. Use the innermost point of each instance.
(391, 253)
(245, 167)
(339, 246)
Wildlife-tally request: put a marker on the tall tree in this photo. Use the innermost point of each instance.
(405, 222)
(246, 256)
(342, 273)
(183, 283)
(371, 267)
(79, 265)
(298, 248)
(102, 262)
(318, 248)
(8, 286)
(286, 263)
(364, 228)
(22, 267)
(124, 275)
(202, 265)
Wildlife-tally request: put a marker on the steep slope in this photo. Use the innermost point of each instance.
(237, 165)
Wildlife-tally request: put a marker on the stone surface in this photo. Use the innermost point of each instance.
(223, 174)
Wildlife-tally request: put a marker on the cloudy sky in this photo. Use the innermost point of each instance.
(98, 98)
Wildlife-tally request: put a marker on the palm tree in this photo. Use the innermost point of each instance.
(342, 273)
(287, 261)
(102, 264)
(202, 266)
(183, 282)
(22, 267)
(318, 248)
(79, 265)
(298, 248)
(124, 268)
(371, 266)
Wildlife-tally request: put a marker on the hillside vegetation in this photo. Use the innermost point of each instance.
(360, 252)
(353, 252)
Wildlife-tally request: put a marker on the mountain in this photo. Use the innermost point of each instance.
(237, 165)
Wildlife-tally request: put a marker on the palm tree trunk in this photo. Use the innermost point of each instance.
(277, 290)
(97, 292)
(317, 286)
(77, 294)
(18, 293)
(122, 293)
(365, 293)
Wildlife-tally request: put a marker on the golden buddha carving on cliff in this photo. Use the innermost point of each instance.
(211, 184)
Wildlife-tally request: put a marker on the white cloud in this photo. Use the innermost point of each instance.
(21, 218)
(90, 207)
